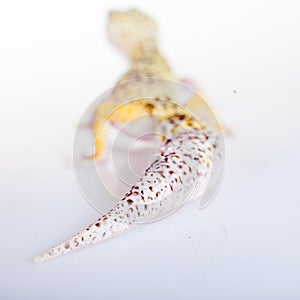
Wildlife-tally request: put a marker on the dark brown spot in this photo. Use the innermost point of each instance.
(150, 106)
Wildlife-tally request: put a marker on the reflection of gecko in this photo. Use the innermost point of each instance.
(180, 171)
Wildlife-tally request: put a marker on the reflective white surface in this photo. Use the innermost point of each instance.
(55, 58)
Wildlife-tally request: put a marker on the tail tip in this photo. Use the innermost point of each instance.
(40, 258)
(37, 259)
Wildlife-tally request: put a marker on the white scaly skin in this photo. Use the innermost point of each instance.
(178, 174)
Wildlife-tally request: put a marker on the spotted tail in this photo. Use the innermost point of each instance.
(178, 174)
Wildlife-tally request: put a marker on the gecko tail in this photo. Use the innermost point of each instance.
(103, 229)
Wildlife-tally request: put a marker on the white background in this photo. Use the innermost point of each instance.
(55, 59)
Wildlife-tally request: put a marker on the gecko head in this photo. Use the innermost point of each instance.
(133, 32)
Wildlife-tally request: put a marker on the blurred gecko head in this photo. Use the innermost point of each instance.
(133, 32)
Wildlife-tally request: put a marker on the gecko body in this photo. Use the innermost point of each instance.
(181, 170)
